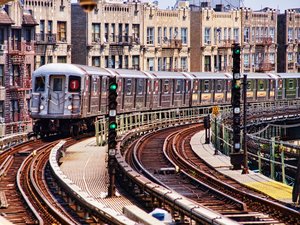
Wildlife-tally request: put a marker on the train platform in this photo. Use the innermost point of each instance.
(85, 164)
(221, 163)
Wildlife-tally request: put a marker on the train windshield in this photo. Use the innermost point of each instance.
(39, 84)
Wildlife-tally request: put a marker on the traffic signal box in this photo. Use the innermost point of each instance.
(112, 133)
(236, 157)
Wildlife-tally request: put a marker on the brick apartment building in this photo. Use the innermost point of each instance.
(289, 41)
(133, 36)
(16, 65)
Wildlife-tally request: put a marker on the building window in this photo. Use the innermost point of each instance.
(120, 62)
(14, 110)
(96, 61)
(50, 27)
(159, 33)
(207, 35)
(246, 34)
(96, 32)
(272, 33)
(159, 64)
(50, 59)
(28, 35)
(183, 63)
(126, 61)
(229, 34)
(298, 36)
(225, 33)
(207, 63)
(136, 33)
(106, 61)
(184, 35)
(150, 35)
(62, 59)
(150, 64)
(2, 75)
(106, 32)
(290, 57)
(166, 86)
(42, 30)
(62, 31)
(165, 34)
(136, 62)
(290, 34)
(236, 34)
(272, 58)
(164, 67)
(246, 60)
(42, 62)
(113, 31)
(170, 33)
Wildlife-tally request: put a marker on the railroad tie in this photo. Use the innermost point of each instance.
(3, 200)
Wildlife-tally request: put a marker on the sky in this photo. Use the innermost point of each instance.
(254, 4)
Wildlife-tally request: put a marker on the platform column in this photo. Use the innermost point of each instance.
(282, 162)
(272, 158)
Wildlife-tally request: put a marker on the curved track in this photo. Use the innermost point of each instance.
(199, 182)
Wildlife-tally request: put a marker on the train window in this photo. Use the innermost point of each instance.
(128, 86)
(95, 84)
(74, 84)
(219, 86)
(206, 86)
(179, 86)
(261, 85)
(103, 85)
(140, 86)
(166, 86)
(39, 84)
(280, 84)
(249, 84)
(291, 84)
(196, 86)
(57, 84)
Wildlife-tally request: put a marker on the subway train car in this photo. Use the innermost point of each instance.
(69, 98)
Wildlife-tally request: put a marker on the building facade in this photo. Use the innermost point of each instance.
(212, 36)
(16, 65)
(133, 36)
(289, 41)
(53, 32)
(259, 40)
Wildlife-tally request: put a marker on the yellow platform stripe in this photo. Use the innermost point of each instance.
(273, 188)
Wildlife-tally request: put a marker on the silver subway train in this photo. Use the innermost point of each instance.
(68, 98)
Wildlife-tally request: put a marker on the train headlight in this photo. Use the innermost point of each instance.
(69, 107)
(42, 107)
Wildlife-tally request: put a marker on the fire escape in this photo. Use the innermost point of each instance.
(117, 43)
(223, 47)
(168, 48)
(18, 84)
(262, 48)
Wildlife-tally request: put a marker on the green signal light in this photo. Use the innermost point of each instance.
(237, 51)
(113, 126)
(113, 87)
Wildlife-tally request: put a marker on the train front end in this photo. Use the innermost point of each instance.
(56, 98)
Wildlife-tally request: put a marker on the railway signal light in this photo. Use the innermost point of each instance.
(112, 133)
(112, 112)
(235, 156)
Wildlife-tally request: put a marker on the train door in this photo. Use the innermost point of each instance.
(56, 94)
